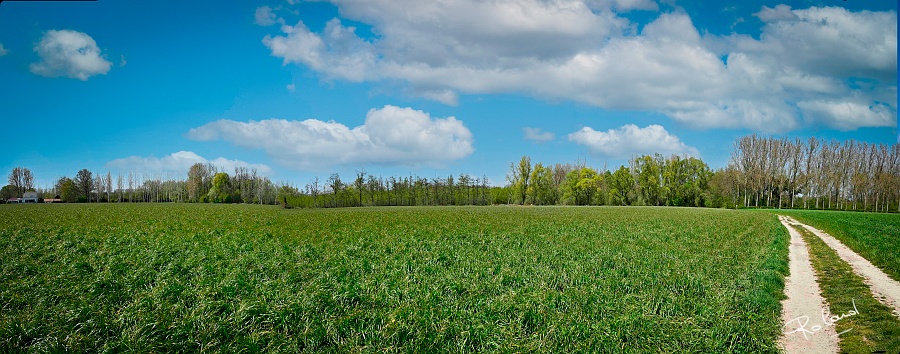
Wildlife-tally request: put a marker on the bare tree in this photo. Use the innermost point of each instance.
(21, 179)
(84, 181)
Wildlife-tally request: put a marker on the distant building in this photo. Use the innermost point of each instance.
(30, 197)
(14, 200)
(52, 200)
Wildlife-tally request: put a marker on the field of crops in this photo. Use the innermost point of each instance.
(235, 278)
(876, 237)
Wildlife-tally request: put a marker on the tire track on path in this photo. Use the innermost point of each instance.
(804, 330)
(884, 289)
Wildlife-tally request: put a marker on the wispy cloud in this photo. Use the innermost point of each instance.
(179, 163)
(538, 136)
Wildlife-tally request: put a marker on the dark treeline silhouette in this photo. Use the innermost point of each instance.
(764, 172)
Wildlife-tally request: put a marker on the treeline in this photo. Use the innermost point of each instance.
(91, 187)
(647, 180)
(811, 174)
(763, 172)
(370, 190)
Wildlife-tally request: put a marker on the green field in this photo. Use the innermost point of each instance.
(230, 278)
(875, 237)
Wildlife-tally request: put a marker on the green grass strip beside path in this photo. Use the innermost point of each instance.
(874, 328)
(876, 237)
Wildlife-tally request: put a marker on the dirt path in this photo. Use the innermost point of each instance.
(802, 311)
(885, 289)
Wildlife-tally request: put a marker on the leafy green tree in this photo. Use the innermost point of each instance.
(519, 176)
(8, 191)
(542, 190)
(649, 178)
(221, 188)
(67, 189)
(501, 195)
(582, 186)
(621, 187)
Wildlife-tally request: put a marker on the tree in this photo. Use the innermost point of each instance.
(649, 178)
(109, 186)
(8, 192)
(98, 186)
(313, 188)
(84, 181)
(359, 183)
(620, 187)
(120, 186)
(334, 182)
(543, 190)
(22, 180)
(582, 187)
(221, 188)
(67, 189)
(197, 183)
(519, 176)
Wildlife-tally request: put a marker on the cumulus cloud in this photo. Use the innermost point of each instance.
(338, 53)
(583, 51)
(3, 51)
(630, 140)
(538, 136)
(390, 136)
(778, 13)
(264, 16)
(70, 54)
(831, 41)
(179, 163)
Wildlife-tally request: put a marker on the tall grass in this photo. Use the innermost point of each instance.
(235, 278)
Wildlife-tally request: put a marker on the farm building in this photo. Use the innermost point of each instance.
(30, 197)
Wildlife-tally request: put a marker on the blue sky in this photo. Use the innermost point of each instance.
(299, 89)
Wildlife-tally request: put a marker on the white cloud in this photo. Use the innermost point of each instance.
(291, 87)
(536, 135)
(831, 41)
(264, 16)
(582, 51)
(179, 163)
(778, 13)
(3, 51)
(848, 115)
(390, 135)
(70, 54)
(630, 140)
(339, 53)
